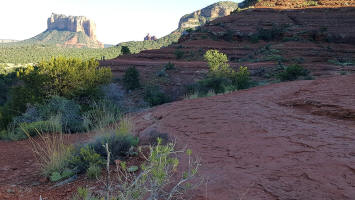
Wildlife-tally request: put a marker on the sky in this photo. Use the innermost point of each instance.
(116, 20)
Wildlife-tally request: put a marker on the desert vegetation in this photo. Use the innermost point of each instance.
(90, 119)
(106, 158)
(32, 53)
(51, 99)
(61, 89)
(221, 77)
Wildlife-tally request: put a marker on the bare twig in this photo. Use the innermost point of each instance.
(108, 184)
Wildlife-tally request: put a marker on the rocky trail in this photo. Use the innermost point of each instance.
(292, 140)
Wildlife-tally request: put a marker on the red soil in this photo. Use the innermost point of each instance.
(20, 176)
(292, 140)
(323, 34)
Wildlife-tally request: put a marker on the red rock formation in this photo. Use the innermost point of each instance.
(311, 38)
(150, 38)
(72, 24)
(297, 3)
(60, 25)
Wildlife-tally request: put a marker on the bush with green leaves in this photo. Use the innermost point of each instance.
(218, 64)
(33, 128)
(125, 50)
(221, 77)
(179, 54)
(276, 32)
(169, 66)
(23, 130)
(84, 157)
(93, 172)
(217, 84)
(119, 144)
(84, 194)
(292, 73)
(158, 177)
(154, 95)
(7, 80)
(101, 114)
(57, 176)
(67, 110)
(242, 79)
(70, 78)
(52, 154)
(131, 79)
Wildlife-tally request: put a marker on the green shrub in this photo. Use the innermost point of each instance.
(218, 64)
(7, 80)
(6, 116)
(217, 84)
(70, 78)
(67, 110)
(342, 62)
(242, 79)
(155, 96)
(93, 172)
(3, 135)
(84, 157)
(67, 77)
(310, 3)
(84, 194)
(19, 98)
(51, 152)
(169, 66)
(119, 145)
(292, 72)
(101, 114)
(125, 50)
(131, 79)
(33, 128)
(276, 32)
(228, 36)
(254, 38)
(55, 176)
(221, 77)
(156, 174)
(179, 54)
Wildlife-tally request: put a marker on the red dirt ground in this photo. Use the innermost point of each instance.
(323, 34)
(292, 140)
(20, 176)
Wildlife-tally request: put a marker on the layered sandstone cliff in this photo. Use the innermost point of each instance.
(72, 24)
(297, 3)
(200, 17)
(67, 31)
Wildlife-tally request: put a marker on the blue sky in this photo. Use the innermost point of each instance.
(116, 20)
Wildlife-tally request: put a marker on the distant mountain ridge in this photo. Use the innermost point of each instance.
(7, 40)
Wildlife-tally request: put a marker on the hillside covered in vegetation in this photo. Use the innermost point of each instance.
(54, 42)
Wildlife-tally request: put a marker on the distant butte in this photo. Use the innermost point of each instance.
(72, 24)
(67, 31)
